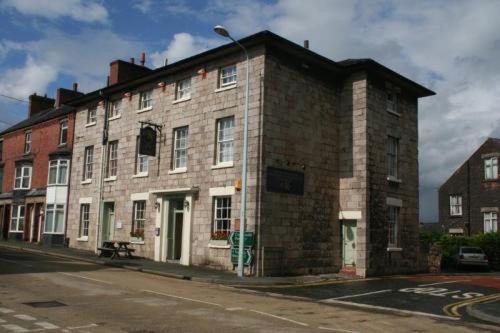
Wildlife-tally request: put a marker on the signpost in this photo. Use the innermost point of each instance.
(234, 239)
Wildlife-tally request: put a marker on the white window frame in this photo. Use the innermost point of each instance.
(58, 165)
(392, 102)
(221, 204)
(180, 148)
(91, 115)
(183, 89)
(28, 140)
(63, 132)
(18, 219)
(393, 217)
(224, 142)
(112, 159)
(54, 209)
(490, 220)
(141, 161)
(115, 110)
(392, 157)
(88, 162)
(146, 100)
(491, 168)
(139, 217)
(455, 205)
(228, 76)
(83, 230)
(21, 177)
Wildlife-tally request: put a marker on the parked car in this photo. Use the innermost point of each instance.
(471, 256)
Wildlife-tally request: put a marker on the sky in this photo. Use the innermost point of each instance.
(452, 47)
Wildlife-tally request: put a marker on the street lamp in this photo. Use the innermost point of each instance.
(243, 204)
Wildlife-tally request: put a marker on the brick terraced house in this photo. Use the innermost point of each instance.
(35, 163)
(332, 175)
(469, 201)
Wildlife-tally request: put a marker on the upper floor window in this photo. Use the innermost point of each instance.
(491, 168)
(92, 115)
(63, 132)
(392, 101)
(225, 138)
(180, 147)
(17, 218)
(54, 219)
(227, 76)
(392, 225)
(146, 100)
(141, 161)
(58, 172)
(490, 222)
(222, 214)
(83, 230)
(112, 165)
(88, 163)
(27, 142)
(455, 205)
(1, 149)
(116, 107)
(392, 157)
(22, 180)
(183, 89)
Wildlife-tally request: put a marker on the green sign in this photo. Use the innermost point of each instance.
(234, 239)
(247, 256)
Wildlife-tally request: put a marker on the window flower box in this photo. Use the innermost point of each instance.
(219, 239)
(137, 236)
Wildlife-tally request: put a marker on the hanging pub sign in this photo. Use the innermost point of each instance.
(147, 141)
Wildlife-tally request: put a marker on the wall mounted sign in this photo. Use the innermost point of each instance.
(285, 181)
(147, 141)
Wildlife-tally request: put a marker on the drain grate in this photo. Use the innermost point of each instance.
(45, 304)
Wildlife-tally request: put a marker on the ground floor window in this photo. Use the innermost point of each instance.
(222, 215)
(392, 225)
(139, 219)
(490, 222)
(84, 220)
(54, 219)
(17, 218)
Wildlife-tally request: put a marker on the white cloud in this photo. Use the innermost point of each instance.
(79, 10)
(183, 45)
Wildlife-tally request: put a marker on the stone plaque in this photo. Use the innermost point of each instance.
(285, 181)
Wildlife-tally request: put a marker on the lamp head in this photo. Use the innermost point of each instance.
(219, 29)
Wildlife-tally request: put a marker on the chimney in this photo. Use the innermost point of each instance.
(143, 58)
(132, 60)
(120, 70)
(166, 62)
(64, 95)
(39, 104)
(306, 44)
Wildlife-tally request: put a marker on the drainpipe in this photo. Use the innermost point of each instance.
(468, 198)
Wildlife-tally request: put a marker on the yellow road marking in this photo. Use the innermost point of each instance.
(452, 309)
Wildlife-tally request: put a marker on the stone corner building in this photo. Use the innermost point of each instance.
(469, 201)
(332, 175)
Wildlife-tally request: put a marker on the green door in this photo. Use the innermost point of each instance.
(174, 229)
(349, 242)
(108, 220)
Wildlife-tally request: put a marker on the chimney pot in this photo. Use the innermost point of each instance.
(132, 60)
(143, 58)
(166, 62)
(306, 43)
(75, 86)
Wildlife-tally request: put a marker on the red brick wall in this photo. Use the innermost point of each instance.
(45, 140)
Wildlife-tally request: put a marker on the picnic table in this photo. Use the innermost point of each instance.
(114, 248)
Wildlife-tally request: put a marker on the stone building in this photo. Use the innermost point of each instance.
(332, 174)
(35, 159)
(469, 201)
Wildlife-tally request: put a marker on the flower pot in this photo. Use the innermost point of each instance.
(136, 239)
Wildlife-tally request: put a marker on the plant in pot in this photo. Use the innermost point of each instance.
(137, 235)
(219, 238)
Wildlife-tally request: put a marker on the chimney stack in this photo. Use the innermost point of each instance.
(143, 58)
(306, 44)
(39, 104)
(120, 70)
(75, 86)
(64, 95)
(132, 60)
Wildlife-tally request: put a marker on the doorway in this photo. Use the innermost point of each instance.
(108, 221)
(174, 228)
(348, 243)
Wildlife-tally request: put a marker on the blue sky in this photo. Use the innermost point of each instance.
(453, 47)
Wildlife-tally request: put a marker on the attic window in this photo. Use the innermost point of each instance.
(392, 102)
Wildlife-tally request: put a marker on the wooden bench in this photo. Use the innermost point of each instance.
(108, 250)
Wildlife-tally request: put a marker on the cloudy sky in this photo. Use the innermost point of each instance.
(453, 47)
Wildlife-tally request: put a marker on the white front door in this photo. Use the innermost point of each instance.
(349, 242)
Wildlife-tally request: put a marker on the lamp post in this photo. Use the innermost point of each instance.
(243, 204)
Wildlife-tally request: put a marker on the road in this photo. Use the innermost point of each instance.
(47, 294)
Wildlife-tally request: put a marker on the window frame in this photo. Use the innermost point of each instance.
(112, 159)
(392, 106)
(88, 164)
(18, 218)
(1, 149)
(136, 218)
(490, 168)
(140, 160)
(63, 132)
(393, 220)
(28, 143)
(58, 165)
(22, 177)
(180, 89)
(222, 77)
(54, 208)
(143, 100)
(83, 229)
(392, 157)
(458, 203)
(92, 115)
(114, 111)
(493, 221)
(223, 220)
(221, 142)
(176, 149)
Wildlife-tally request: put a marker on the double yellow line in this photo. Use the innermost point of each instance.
(452, 309)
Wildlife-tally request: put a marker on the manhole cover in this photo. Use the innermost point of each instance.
(46, 304)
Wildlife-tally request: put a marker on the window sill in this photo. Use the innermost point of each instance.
(394, 113)
(110, 179)
(90, 124)
(178, 170)
(223, 165)
(228, 87)
(141, 175)
(455, 216)
(83, 239)
(181, 100)
(22, 189)
(149, 108)
(115, 117)
(86, 181)
(137, 242)
(62, 145)
(56, 185)
(15, 232)
(219, 244)
(394, 249)
(394, 179)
